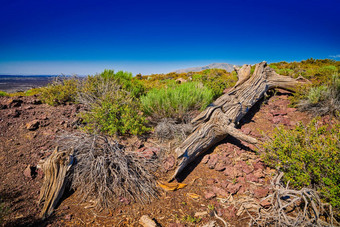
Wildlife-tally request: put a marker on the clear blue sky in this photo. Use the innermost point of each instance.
(84, 37)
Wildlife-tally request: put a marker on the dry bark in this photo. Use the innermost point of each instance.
(55, 169)
(218, 120)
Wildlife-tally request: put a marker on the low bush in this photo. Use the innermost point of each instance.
(3, 93)
(216, 79)
(309, 156)
(323, 99)
(126, 81)
(30, 92)
(111, 109)
(176, 101)
(60, 91)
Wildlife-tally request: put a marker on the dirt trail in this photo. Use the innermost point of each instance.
(231, 172)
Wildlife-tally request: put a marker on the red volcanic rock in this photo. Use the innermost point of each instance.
(148, 152)
(209, 195)
(286, 121)
(233, 188)
(259, 173)
(33, 125)
(220, 166)
(246, 130)
(261, 192)
(241, 179)
(213, 161)
(231, 214)
(169, 163)
(28, 172)
(14, 103)
(266, 203)
(176, 225)
(231, 172)
(279, 112)
(258, 165)
(211, 181)
(14, 113)
(205, 159)
(68, 217)
(243, 166)
(251, 177)
(220, 191)
(277, 119)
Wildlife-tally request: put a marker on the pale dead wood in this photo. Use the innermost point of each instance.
(219, 119)
(55, 168)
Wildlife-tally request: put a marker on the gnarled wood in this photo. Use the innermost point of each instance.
(55, 169)
(219, 118)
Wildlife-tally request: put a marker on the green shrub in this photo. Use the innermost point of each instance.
(30, 92)
(177, 100)
(60, 91)
(309, 156)
(316, 94)
(216, 79)
(111, 109)
(3, 93)
(125, 79)
(328, 70)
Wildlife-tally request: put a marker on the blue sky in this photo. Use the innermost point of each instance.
(85, 37)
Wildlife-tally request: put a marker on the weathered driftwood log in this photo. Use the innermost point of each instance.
(219, 119)
(55, 169)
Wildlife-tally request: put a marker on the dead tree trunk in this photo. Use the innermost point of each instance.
(219, 119)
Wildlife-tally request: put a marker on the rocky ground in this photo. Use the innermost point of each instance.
(231, 174)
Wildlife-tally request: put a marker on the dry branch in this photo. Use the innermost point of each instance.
(289, 207)
(219, 119)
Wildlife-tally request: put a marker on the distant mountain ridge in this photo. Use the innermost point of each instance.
(226, 66)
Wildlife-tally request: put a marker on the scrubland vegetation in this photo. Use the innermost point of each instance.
(119, 104)
(176, 101)
(309, 156)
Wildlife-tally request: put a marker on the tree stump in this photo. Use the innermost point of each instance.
(218, 120)
(55, 168)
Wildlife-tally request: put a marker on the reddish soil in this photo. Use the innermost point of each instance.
(231, 171)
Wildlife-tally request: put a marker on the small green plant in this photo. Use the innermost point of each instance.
(3, 93)
(60, 91)
(211, 207)
(193, 220)
(309, 156)
(176, 101)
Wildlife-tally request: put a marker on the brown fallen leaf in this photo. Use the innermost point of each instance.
(171, 186)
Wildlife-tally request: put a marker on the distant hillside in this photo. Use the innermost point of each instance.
(226, 66)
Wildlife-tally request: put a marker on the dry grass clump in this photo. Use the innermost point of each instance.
(324, 99)
(167, 129)
(105, 173)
